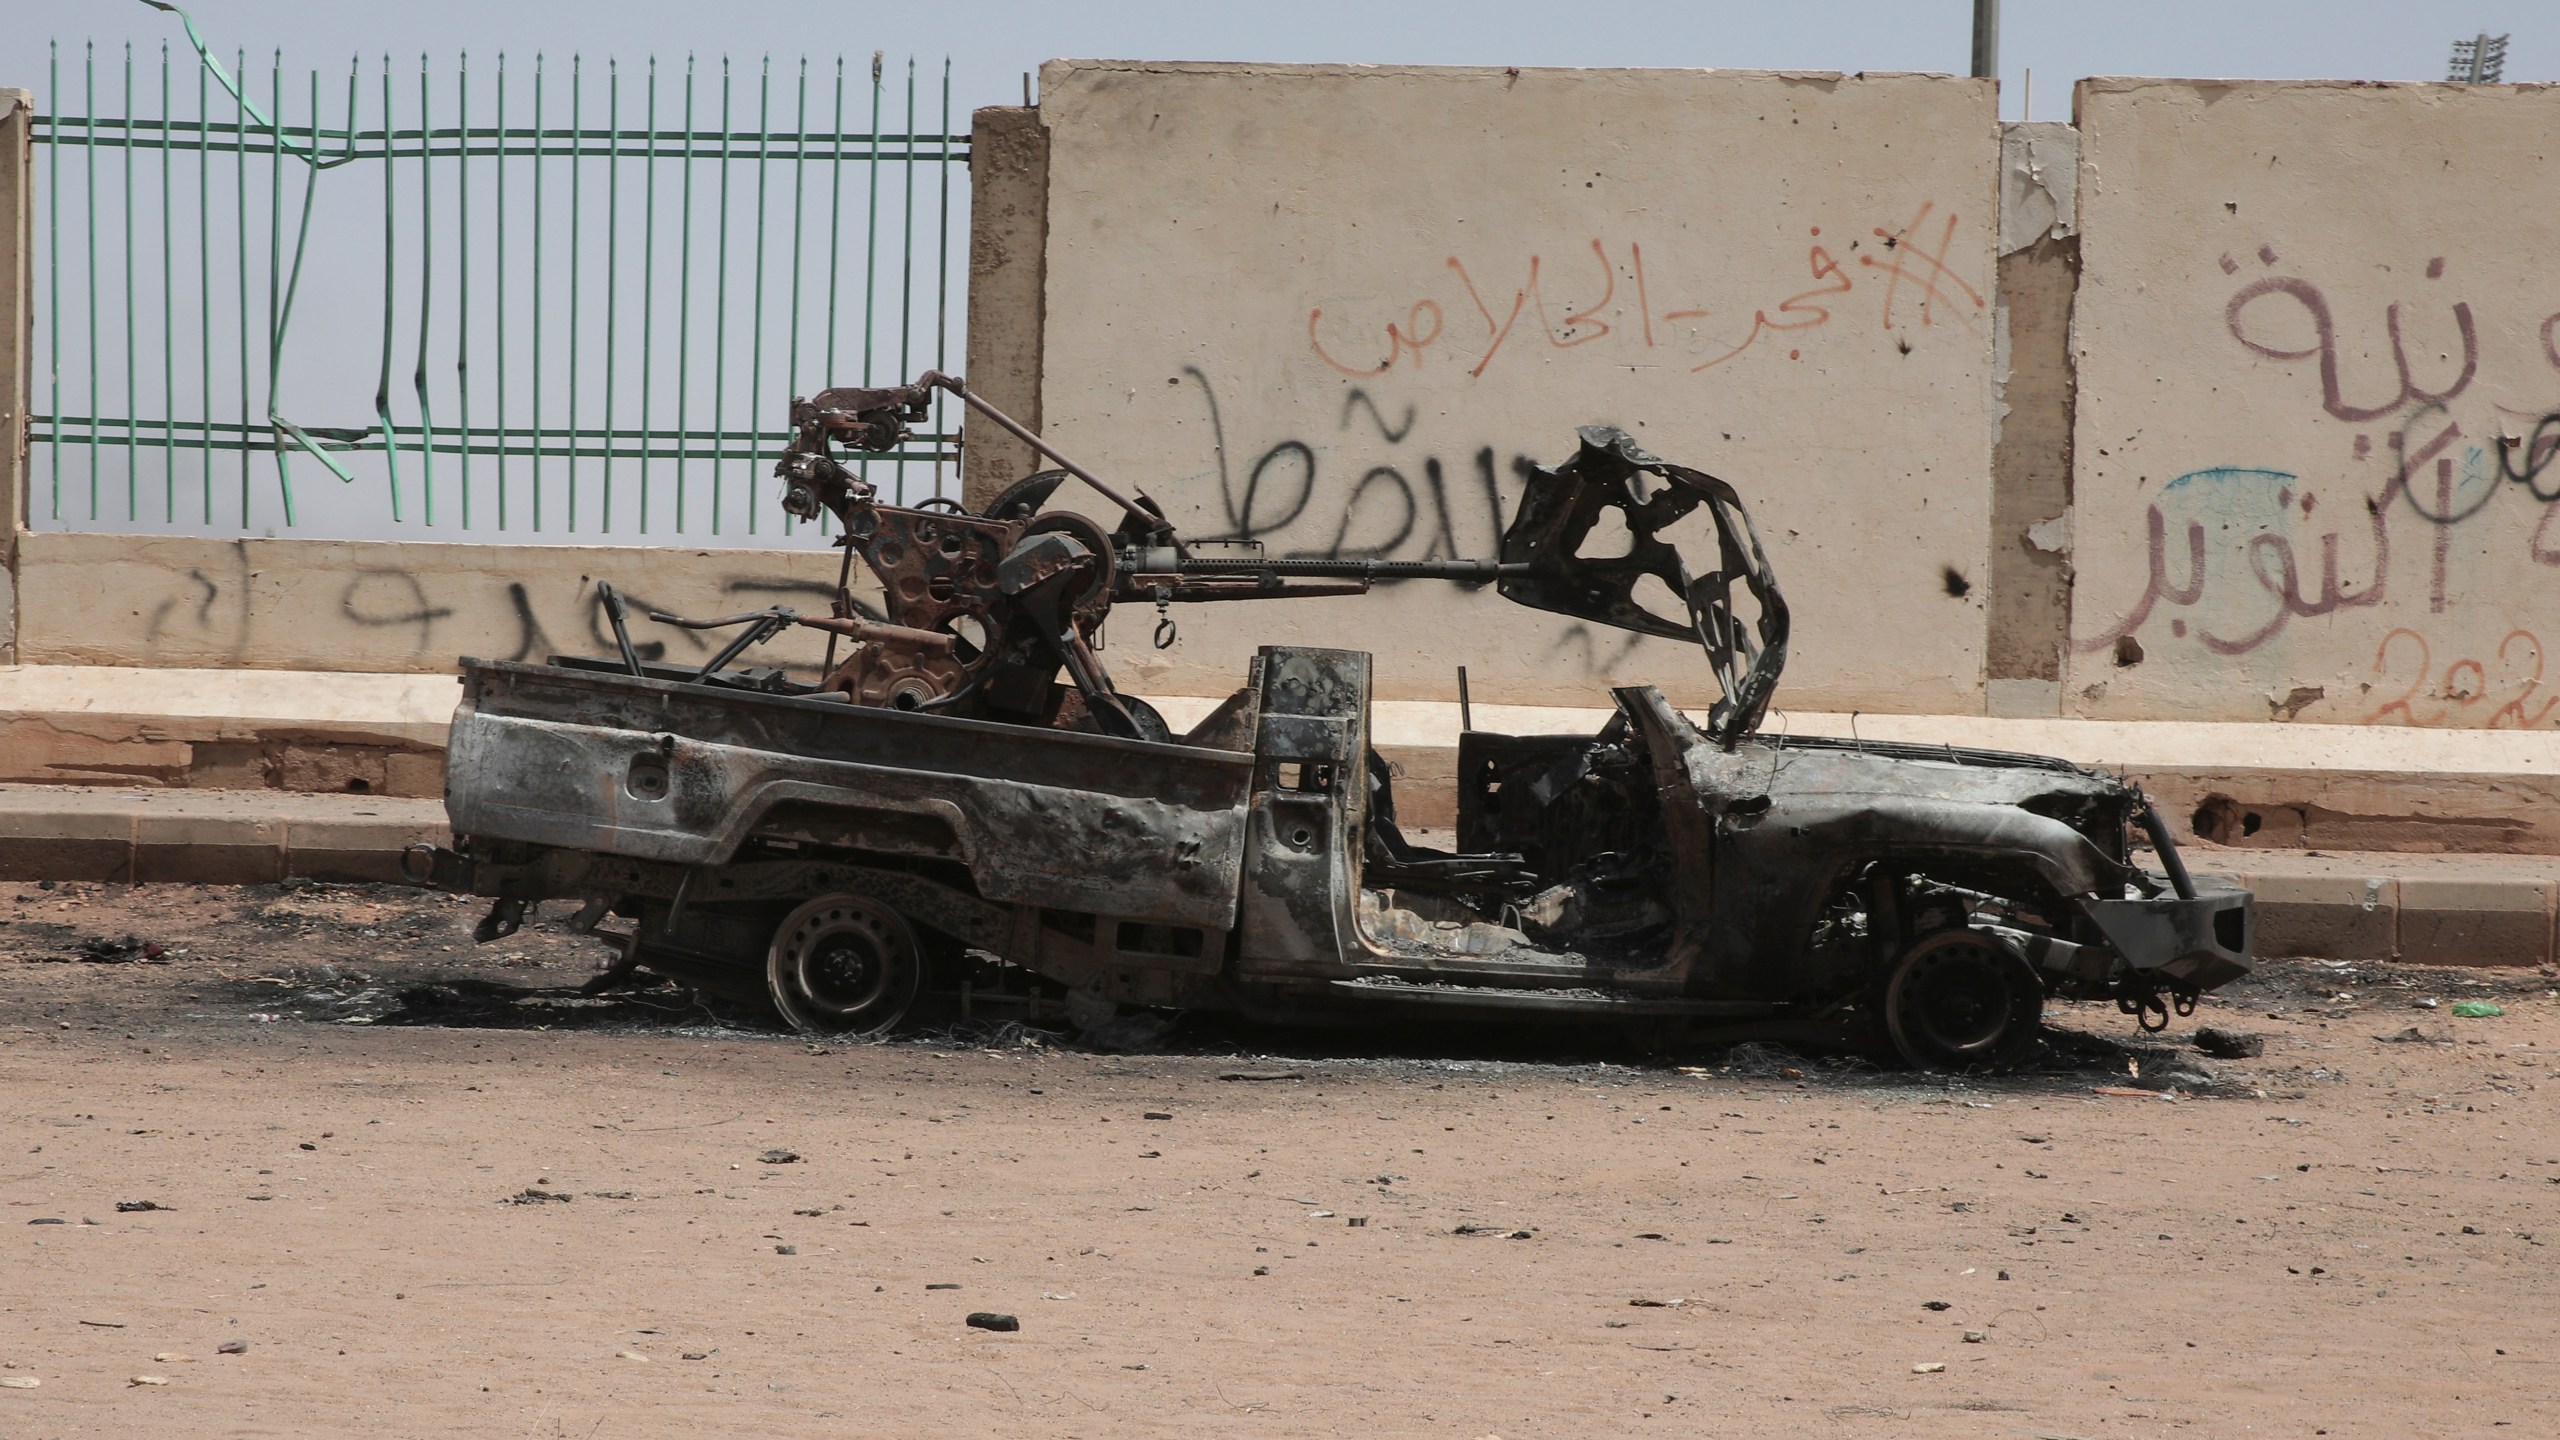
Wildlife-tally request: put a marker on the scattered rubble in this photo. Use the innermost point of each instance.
(2224, 1044)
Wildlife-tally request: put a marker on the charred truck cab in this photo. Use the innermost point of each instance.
(965, 799)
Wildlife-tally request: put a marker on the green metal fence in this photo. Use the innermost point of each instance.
(534, 301)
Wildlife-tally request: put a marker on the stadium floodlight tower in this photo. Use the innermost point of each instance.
(2481, 60)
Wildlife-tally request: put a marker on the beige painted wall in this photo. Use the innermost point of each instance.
(1334, 306)
(383, 607)
(1263, 289)
(2286, 287)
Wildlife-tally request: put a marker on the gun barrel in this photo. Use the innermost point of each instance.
(1157, 560)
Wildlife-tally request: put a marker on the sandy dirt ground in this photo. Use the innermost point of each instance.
(1241, 1234)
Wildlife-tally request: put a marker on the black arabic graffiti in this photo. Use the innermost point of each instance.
(1384, 507)
(429, 607)
(407, 605)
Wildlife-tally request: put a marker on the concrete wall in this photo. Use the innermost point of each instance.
(382, 607)
(2215, 417)
(1333, 308)
(2306, 315)
(1008, 268)
(2028, 611)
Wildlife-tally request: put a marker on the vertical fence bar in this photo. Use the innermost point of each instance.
(275, 263)
(535, 460)
(648, 279)
(462, 262)
(346, 154)
(498, 182)
(390, 276)
(204, 277)
(755, 324)
(612, 277)
(871, 228)
(684, 297)
(240, 218)
(89, 197)
(426, 289)
(132, 399)
(275, 238)
(799, 174)
(53, 271)
(577, 258)
(720, 308)
(835, 227)
(942, 270)
(871, 237)
(907, 263)
(168, 308)
(835, 240)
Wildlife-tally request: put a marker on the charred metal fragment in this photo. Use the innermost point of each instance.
(1549, 565)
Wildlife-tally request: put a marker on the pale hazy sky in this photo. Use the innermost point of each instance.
(990, 42)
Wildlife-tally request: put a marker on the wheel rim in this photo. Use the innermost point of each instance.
(1961, 999)
(843, 964)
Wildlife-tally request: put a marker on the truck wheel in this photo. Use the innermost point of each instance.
(844, 965)
(1961, 1000)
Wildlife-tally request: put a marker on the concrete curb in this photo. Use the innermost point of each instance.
(217, 837)
(2462, 910)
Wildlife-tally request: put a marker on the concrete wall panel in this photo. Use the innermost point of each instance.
(2307, 314)
(2029, 603)
(385, 607)
(1332, 308)
(1008, 233)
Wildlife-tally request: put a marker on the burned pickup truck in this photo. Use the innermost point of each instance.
(966, 789)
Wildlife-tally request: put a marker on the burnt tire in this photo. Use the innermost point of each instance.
(1961, 1000)
(844, 965)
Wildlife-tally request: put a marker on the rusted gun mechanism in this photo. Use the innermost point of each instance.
(981, 613)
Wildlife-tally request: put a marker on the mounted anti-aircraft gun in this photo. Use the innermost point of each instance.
(981, 612)
(842, 848)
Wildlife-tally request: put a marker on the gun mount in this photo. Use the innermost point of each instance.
(981, 614)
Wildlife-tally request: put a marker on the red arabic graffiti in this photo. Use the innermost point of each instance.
(2324, 328)
(1907, 244)
(2464, 684)
(1913, 261)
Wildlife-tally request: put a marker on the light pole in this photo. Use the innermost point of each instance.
(2479, 61)
(1986, 39)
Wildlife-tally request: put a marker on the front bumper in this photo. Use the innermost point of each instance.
(2184, 944)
